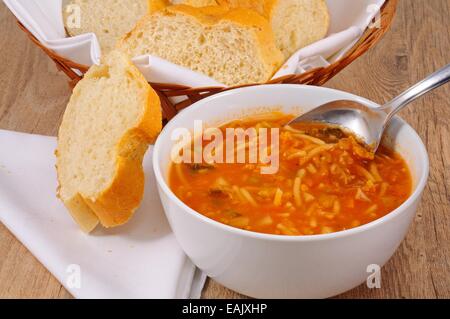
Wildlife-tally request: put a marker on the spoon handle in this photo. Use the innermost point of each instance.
(432, 82)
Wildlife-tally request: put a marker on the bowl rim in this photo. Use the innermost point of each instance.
(164, 187)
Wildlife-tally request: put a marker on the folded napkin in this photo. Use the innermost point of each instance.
(139, 260)
(43, 18)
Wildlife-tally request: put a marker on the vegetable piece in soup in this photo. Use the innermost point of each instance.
(325, 182)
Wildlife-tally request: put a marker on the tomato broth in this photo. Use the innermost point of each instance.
(326, 182)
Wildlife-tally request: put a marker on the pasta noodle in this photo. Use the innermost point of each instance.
(278, 197)
(296, 191)
(245, 193)
(316, 151)
(310, 138)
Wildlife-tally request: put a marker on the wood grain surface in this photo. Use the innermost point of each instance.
(33, 95)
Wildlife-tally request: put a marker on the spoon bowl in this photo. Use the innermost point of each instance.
(366, 122)
(363, 121)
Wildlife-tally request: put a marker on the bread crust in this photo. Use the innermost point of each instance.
(156, 5)
(257, 5)
(270, 5)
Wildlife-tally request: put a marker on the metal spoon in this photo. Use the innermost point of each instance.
(366, 122)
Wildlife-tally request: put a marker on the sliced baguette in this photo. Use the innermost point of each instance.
(108, 19)
(111, 118)
(232, 46)
(295, 23)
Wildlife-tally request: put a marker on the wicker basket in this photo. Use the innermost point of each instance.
(313, 77)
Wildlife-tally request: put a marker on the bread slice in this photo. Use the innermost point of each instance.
(112, 116)
(108, 19)
(232, 46)
(295, 23)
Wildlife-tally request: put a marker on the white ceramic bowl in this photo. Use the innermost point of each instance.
(272, 266)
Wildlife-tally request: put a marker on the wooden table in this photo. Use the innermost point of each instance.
(33, 95)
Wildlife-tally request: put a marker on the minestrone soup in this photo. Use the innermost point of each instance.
(325, 183)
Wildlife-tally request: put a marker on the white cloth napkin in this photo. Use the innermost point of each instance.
(139, 260)
(349, 19)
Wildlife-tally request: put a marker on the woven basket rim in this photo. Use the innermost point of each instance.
(166, 91)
